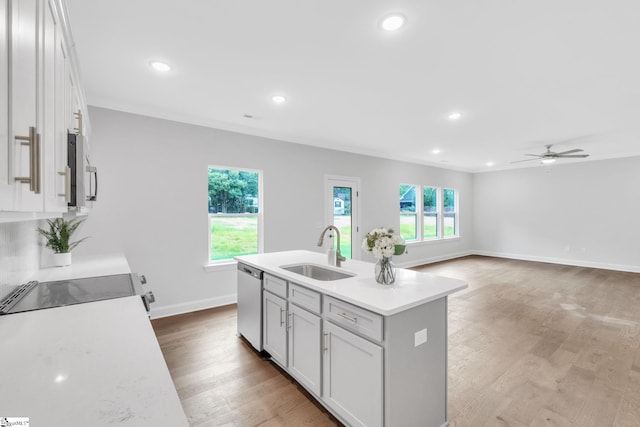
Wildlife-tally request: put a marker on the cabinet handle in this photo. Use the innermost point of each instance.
(67, 184)
(78, 130)
(281, 320)
(290, 321)
(351, 319)
(33, 142)
(93, 195)
(326, 342)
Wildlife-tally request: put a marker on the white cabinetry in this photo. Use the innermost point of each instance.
(291, 333)
(57, 178)
(38, 98)
(274, 327)
(305, 345)
(353, 372)
(6, 187)
(24, 150)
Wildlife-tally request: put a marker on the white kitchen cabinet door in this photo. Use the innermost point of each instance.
(57, 185)
(6, 186)
(25, 154)
(305, 347)
(274, 324)
(352, 377)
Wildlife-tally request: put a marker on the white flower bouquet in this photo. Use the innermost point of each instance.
(384, 244)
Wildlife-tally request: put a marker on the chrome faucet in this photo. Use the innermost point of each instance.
(339, 257)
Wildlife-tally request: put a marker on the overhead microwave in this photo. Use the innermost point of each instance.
(84, 177)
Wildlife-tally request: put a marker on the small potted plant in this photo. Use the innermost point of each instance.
(58, 237)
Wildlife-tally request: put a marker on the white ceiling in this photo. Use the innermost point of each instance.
(523, 73)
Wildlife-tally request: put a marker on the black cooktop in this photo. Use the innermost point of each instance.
(38, 295)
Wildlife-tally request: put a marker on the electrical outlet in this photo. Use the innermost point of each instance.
(420, 337)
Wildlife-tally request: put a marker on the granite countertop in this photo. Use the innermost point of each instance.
(410, 289)
(91, 364)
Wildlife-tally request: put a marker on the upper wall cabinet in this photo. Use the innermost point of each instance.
(40, 102)
(6, 188)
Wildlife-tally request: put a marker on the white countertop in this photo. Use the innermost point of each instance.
(91, 364)
(410, 289)
(85, 266)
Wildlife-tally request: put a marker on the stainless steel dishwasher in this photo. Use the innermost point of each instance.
(250, 304)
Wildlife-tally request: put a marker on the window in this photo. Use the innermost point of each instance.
(408, 213)
(428, 213)
(235, 213)
(450, 213)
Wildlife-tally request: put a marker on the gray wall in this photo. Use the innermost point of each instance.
(153, 200)
(579, 214)
(152, 207)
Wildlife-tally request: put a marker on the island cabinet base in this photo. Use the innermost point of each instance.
(415, 372)
(373, 355)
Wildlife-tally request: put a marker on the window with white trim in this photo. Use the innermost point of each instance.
(428, 213)
(235, 213)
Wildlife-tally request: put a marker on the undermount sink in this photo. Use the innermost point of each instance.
(316, 272)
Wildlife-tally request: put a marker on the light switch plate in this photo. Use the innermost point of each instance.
(420, 337)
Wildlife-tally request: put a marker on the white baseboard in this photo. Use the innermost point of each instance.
(563, 261)
(431, 260)
(186, 307)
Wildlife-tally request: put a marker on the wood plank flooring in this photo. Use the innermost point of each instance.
(530, 344)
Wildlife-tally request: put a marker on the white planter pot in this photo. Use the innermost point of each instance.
(60, 260)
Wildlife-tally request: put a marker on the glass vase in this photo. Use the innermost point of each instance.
(385, 271)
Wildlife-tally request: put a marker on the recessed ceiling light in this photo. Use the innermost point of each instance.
(435, 151)
(455, 115)
(393, 22)
(490, 164)
(278, 99)
(160, 66)
(548, 161)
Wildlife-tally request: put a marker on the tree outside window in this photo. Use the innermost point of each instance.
(235, 216)
(428, 213)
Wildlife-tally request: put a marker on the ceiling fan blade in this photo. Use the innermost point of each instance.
(574, 156)
(577, 150)
(535, 155)
(525, 160)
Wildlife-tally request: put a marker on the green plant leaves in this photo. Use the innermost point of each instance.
(59, 234)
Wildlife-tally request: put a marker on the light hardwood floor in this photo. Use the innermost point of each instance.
(530, 344)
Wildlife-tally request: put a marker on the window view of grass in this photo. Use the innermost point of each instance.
(408, 229)
(233, 213)
(232, 236)
(430, 226)
(343, 222)
(449, 225)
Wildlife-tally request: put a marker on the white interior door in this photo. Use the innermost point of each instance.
(342, 195)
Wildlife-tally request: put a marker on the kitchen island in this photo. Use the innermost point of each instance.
(372, 354)
(90, 364)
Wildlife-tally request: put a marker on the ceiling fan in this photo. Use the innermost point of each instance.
(550, 156)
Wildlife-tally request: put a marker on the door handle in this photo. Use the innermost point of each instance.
(67, 184)
(344, 316)
(33, 142)
(78, 130)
